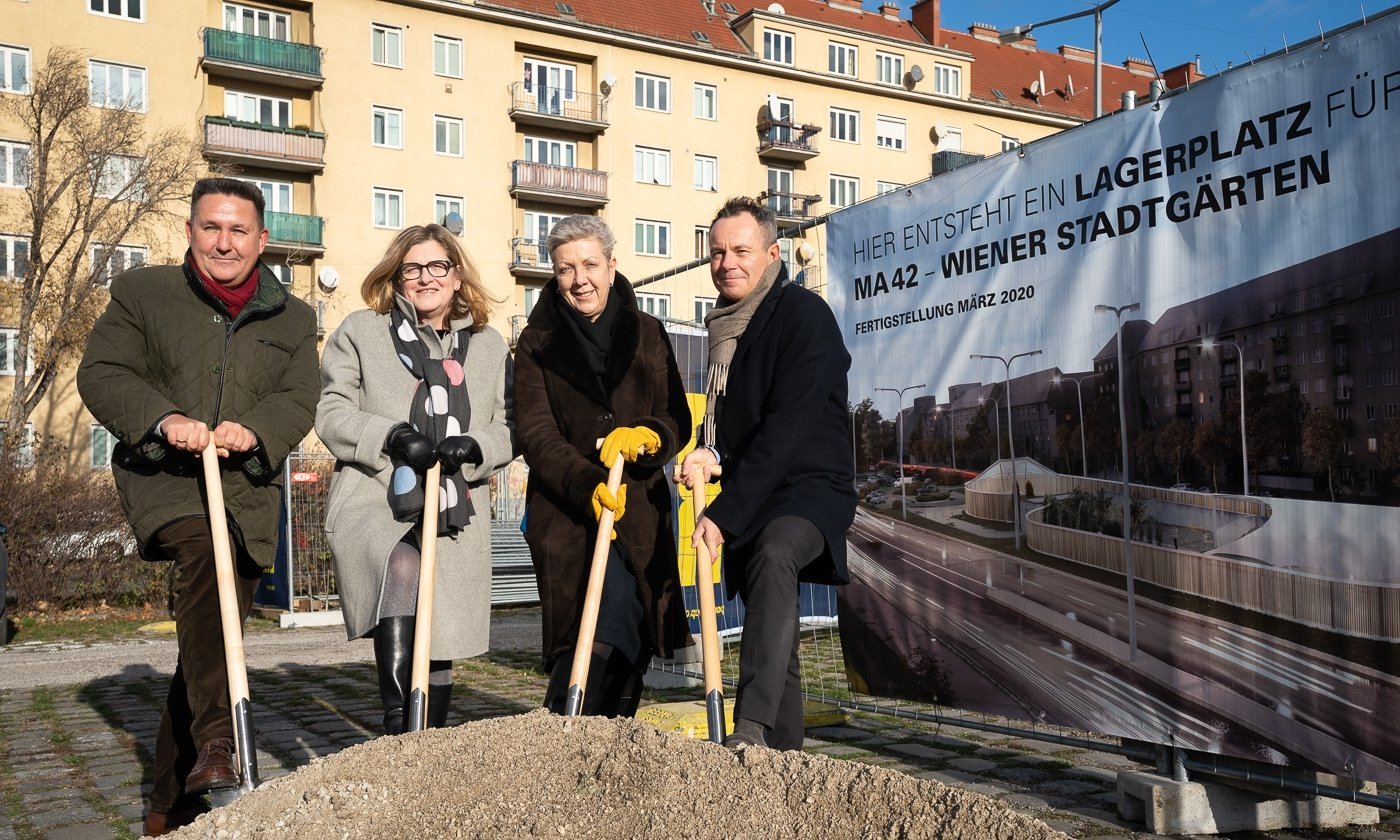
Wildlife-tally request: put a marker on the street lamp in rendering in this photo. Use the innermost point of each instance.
(1079, 392)
(1208, 344)
(1011, 440)
(1118, 312)
(899, 433)
(1019, 33)
(997, 413)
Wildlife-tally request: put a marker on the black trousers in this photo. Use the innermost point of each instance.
(770, 676)
(196, 707)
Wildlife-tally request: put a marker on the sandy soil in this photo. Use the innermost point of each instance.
(543, 776)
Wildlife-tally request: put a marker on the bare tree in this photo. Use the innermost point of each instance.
(1323, 443)
(98, 177)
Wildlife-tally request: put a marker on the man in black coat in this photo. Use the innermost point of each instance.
(776, 427)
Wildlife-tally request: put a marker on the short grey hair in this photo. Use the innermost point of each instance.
(573, 228)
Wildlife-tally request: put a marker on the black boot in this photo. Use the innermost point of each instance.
(556, 696)
(393, 656)
(439, 700)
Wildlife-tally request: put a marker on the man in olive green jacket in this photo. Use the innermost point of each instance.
(214, 349)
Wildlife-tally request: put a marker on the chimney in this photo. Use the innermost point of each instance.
(1072, 53)
(1183, 75)
(849, 5)
(890, 10)
(924, 16)
(1139, 66)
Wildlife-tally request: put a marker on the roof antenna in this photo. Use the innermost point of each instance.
(1153, 62)
(1285, 43)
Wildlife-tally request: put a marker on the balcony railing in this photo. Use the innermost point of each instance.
(528, 258)
(558, 184)
(571, 110)
(790, 206)
(787, 140)
(263, 53)
(1280, 373)
(293, 229)
(1280, 343)
(809, 275)
(272, 146)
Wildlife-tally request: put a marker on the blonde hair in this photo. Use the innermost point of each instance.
(381, 282)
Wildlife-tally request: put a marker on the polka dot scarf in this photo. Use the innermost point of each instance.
(440, 409)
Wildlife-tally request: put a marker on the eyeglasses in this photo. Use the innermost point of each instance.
(436, 268)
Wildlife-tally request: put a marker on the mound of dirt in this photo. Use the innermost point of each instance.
(543, 776)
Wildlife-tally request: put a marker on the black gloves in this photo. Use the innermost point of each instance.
(409, 446)
(457, 450)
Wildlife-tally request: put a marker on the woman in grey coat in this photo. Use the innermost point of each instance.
(416, 379)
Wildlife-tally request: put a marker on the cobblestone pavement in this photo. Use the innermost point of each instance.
(75, 759)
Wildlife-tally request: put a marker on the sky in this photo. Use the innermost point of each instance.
(1219, 31)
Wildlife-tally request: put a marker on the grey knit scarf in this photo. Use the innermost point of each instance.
(726, 323)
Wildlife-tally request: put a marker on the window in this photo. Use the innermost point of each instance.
(130, 9)
(537, 228)
(14, 164)
(553, 152)
(282, 271)
(890, 132)
(652, 239)
(119, 178)
(841, 59)
(706, 173)
(277, 195)
(110, 260)
(551, 83)
(889, 68)
(100, 450)
(1317, 356)
(653, 304)
(882, 187)
(14, 69)
(947, 79)
(263, 23)
(777, 46)
(25, 453)
(14, 256)
(1387, 342)
(651, 166)
(702, 242)
(532, 297)
(1009, 143)
(386, 127)
(116, 86)
(703, 305)
(386, 45)
(780, 190)
(652, 93)
(9, 355)
(1387, 309)
(706, 101)
(388, 208)
(256, 108)
(444, 204)
(447, 135)
(844, 191)
(447, 56)
(845, 125)
(951, 141)
(1388, 377)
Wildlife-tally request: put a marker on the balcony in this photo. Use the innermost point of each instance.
(1341, 394)
(258, 59)
(950, 159)
(293, 232)
(790, 207)
(558, 184)
(1341, 332)
(1183, 362)
(528, 258)
(586, 113)
(1280, 373)
(517, 324)
(1183, 387)
(1280, 343)
(1341, 363)
(808, 276)
(268, 146)
(786, 140)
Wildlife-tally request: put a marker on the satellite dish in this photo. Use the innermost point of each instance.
(916, 73)
(777, 8)
(453, 222)
(607, 83)
(1035, 88)
(329, 277)
(806, 251)
(938, 132)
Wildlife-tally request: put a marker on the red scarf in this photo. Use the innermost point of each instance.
(233, 299)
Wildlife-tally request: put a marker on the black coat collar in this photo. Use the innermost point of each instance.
(559, 351)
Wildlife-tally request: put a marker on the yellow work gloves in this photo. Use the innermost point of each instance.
(604, 499)
(630, 442)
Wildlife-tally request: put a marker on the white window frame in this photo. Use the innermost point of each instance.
(1009, 143)
(951, 140)
(882, 187)
(133, 10)
(117, 174)
(542, 149)
(651, 165)
(843, 191)
(386, 127)
(122, 258)
(707, 173)
(531, 295)
(842, 59)
(15, 61)
(891, 133)
(845, 125)
(13, 173)
(99, 436)
(25, 453)
(537, 228)
(257, 21)
(550, 98)
(130, 78)
(702, 242)
(651, 238)
(652, 93)
(447, 56)
(14, 250)
(779, 46)
(702, 307)
(278, 196)
(9, 352)
(443, 126)
(706, 101)
(652, 303)
(386, 208)
(237, 103)
(947, 79)
(444, 204)
(386, 45)
(889, 68)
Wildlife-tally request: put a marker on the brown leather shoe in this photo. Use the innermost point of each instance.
(214, 770)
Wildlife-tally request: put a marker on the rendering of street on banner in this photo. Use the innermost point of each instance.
(1201, 289)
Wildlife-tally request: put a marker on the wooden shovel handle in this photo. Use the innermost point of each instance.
(230, 617)
(704, 582)
(427, 579)
(593, 596)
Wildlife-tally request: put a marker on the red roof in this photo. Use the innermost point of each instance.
(842, 17)
(668, 20)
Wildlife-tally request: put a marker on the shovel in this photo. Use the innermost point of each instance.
(709, 631)
(593, 596)
(231, 620)
(423, 622)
